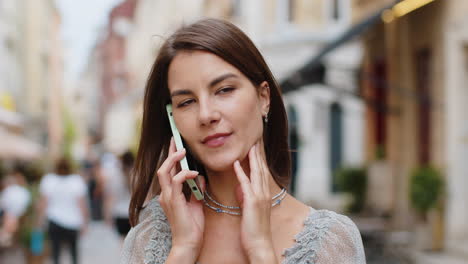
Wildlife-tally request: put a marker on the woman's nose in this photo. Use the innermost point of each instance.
(208, 114)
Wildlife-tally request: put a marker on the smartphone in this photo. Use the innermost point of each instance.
(183, 163)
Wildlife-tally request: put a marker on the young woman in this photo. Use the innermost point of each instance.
(229, 111)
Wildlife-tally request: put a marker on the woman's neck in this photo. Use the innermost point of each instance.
(222, 185)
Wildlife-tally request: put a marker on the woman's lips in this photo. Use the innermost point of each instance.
(217, 141)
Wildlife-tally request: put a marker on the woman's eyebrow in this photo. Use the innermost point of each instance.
(222, 78)
(212, 83)
(181, 92)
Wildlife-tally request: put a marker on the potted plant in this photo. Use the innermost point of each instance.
(426, 189)
(353, 180)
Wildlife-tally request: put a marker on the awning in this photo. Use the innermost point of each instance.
(10, 119)
(13, 146)
(314, 70)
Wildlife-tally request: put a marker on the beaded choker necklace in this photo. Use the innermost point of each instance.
(275, 201)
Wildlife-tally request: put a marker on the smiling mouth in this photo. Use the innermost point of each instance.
(216, 140)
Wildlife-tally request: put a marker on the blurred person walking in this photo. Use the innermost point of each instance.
(117, 192)
(63, 203)
(14, 201)
(91, 173)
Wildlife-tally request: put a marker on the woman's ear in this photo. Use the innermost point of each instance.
(264, 95)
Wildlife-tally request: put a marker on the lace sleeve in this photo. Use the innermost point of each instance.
(149, 242)
(342, 243)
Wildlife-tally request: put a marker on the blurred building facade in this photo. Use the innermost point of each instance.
(413, 78)
(361, 88)
(455, 63)
(87, 100)
(105, 87)
(326, 116)
(43, 70)
(31, 74)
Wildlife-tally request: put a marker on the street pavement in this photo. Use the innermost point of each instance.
(100, 244)
(438, 258)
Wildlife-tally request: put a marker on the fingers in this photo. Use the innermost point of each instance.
(201, 183)
(172, 146)
(255, 178)
(179, 179)
(242, 178)
(172, 149)
(259, 171)
(165, 172)
(264, 170)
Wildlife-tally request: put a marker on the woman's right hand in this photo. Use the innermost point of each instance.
(186, 219)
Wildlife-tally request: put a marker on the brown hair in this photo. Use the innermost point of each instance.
(228, 42)
(127, 159)
(63, 167)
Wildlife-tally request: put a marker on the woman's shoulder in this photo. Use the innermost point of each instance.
(152, 211)
(327, 219)
(150, 240)
(327, 233)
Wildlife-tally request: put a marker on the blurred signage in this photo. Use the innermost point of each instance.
(6, 101)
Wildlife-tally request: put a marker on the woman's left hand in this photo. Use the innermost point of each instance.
(255, 199)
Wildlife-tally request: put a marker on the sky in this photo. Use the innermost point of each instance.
(81, 23)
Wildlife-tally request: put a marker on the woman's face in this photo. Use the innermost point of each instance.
(217, 110)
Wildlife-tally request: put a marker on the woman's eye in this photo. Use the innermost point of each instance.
(185, 103)
(225, 90)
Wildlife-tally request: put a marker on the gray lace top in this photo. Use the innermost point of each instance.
(326, 238)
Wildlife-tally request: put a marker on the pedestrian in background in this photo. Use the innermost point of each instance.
(64, 205)
(117, 193)
(14, 200)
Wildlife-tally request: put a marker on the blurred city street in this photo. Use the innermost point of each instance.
(375, 93)
(100, 244)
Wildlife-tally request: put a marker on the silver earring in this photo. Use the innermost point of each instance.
(265, 118)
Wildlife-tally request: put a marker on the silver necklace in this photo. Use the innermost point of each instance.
(276, 200)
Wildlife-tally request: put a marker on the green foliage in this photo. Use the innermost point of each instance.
(354, 182)
(426, 188)
(69, 133)
(380, 152)
(29, 218)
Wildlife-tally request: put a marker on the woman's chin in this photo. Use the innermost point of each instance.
(222, 162)
(220, 165)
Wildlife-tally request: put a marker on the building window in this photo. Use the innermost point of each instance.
(335, 9)
(380, 87)
(236, 8)
(423, 81)
(291, 10)
(336, 142)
